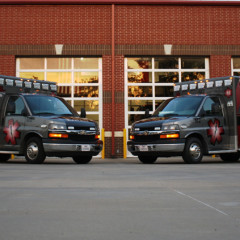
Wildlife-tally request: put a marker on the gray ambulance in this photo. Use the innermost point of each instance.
(202, 119)
(34, 122)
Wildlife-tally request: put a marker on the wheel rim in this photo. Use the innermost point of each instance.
(32, 151)
(195, 150)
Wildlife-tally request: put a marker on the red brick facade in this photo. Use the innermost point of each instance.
(142, 30)
(55, 24)
(220, 65)
(141, 24)
(182, 25)
(7, 65)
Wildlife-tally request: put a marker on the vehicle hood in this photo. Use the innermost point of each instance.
(71, 121)
(158, 121)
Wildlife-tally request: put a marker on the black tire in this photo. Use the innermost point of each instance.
(34, 152)
(230, 157)
(82, 159)
(147, 159)
(4, 157)
(193, 151)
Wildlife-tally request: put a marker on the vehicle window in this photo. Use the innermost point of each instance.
(212, 107)
(1, 99)
(48, 105)
(15, 106)
(180, 106)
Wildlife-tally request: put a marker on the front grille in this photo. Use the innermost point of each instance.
(81, 128)
(147, 138)
(75, 137)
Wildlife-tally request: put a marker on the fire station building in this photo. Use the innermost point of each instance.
(117, 58)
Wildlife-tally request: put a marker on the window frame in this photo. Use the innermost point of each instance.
(72, 85)
(232, 67)
(153, 84)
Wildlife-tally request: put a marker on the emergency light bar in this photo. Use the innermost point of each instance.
(203, 84)
(193, 86)
(15, 84)
(176, 88)
(185, 87)
(210, 84)
(219, 83)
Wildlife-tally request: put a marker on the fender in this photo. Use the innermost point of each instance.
(198, 135)
(26, 136)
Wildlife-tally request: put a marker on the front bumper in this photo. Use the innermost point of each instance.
(63, 149)
(159, 149)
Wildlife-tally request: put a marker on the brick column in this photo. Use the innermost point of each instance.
(119, 100)
(119, 104)
(107, 102)
(220, 66)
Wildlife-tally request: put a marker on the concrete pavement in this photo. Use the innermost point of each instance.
(120, 199)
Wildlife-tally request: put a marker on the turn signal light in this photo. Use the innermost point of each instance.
(132, 137)
(97, 136)
(173, 135)
(58, 135)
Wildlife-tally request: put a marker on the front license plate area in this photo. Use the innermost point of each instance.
(83, 148)
(143, 148)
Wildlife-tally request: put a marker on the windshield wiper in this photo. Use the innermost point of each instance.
(66, 114)
(170, 115)
(44, 113)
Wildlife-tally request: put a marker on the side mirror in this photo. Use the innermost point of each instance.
(147, 114)
(202, 113)
(83, 113)
(24, 112)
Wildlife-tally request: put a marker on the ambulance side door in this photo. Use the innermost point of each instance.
(214, 125)
(13, 124)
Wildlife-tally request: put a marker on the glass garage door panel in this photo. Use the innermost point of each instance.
(149, 81)
(79, 80)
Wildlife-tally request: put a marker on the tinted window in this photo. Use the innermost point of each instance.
(181, 106)
(48, 105)
(212, 107)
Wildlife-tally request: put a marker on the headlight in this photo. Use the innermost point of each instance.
(57, 126)
(170, 127)
(96, 128)
(132, 128)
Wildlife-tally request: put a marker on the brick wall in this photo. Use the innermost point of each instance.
(118, 147)
(7, 65)
(220, 66)
(107, 92)
(140, 30)
(119, 102)
(119, 92)
(177, 24)
(135, 24)
(86, 24)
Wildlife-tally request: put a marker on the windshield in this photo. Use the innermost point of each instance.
(49, 105)
(180, 106)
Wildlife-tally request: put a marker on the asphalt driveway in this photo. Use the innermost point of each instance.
(118, 199)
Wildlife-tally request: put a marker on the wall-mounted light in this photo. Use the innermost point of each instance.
(58, 48)
(168, 49)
